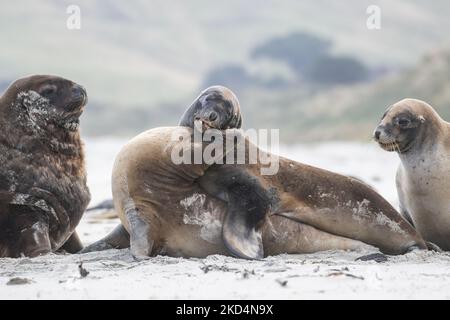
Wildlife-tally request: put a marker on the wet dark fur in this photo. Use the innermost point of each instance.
(42, 156)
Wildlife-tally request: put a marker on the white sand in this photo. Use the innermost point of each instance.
(114, 274)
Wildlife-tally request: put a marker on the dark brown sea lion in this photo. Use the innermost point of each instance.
(421, 138)
(43, 191)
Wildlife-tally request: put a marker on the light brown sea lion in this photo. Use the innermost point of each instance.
(43, 191)
(194, 210)
(421, 138)
(166, 211)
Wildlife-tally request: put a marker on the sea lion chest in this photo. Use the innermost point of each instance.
(63, 179)
(425, 184)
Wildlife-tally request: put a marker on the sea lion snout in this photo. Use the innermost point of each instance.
(217, 107)
(79, 94)
(399, 126)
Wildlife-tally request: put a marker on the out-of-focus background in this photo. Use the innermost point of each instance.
(311, 68)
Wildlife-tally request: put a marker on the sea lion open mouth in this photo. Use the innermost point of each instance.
(206, 125)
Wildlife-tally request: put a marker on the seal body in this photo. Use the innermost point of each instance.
(152, 194)
(167, 212)
(193, 209)
(333, 203)
(181, 210)
(421, 137)
(43, 191)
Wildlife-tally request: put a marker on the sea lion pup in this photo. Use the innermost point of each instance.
(43, 191)
(421, 138)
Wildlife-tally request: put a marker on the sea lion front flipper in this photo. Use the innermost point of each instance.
(116, 239)
(248, 205)
(142, 242)
(241, 237)
(32, 234)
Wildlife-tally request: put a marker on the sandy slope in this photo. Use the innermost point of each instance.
(114, 274)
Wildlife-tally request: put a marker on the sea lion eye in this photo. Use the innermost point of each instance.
(404, 122)
(48, 91)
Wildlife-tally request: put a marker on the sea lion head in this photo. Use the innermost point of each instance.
(405, 125)
(217, 107)
(43, 103)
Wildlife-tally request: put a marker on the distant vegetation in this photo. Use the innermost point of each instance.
(348, 112)
(330, 70)
(316, 74)
(299, 50)
(308, 56)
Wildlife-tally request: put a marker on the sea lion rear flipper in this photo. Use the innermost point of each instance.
(117, 239)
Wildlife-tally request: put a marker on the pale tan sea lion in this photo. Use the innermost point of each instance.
(421, 138)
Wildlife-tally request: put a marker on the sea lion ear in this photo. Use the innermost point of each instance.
(421, 119)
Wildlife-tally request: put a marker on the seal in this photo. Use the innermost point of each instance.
(216, 107)
(421, 138)
(43, 191)
(195, 210)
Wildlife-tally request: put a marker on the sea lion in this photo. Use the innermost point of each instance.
(333, 203)
(179, 209)
(43, 191)
(194, 210)
(216, 107)
(421, 138)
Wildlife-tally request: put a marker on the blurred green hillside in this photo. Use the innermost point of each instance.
(143, 62)
(352, 112)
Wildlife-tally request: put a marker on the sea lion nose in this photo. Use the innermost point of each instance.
(377, 134)
(212, 116)
(78, 91)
